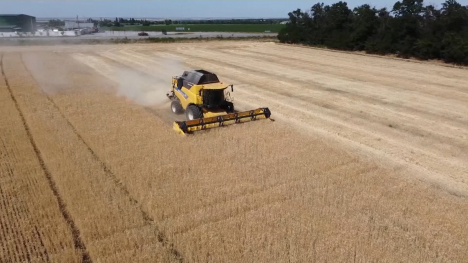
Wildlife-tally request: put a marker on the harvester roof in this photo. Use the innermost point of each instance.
(200, 77)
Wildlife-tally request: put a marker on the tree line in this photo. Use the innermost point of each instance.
(410, 29)
(56, 23)
(143, 22)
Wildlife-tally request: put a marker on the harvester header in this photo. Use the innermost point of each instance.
(206, 102)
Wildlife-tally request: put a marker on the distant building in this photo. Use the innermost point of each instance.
(69, 25)
(17, 23)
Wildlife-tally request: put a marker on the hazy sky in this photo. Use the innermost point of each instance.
(174, 8)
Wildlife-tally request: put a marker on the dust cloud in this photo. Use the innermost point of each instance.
(139, 88)
(148, 88)
(144, 86)
(50, 84)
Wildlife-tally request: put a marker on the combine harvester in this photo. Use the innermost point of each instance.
(206, 103)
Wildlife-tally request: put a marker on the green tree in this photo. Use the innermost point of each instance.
(406, 25)
(338, 26)
(429, 43)
(56, 23)
(454, 20)
(317, 31)
(365, 25)
(383, 42)
(295, 30)
(410, 29)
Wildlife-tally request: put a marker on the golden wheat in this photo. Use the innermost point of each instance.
(99, 207)
(256, 192)
(32, 227)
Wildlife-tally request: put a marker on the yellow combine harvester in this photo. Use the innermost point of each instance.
(206, 102)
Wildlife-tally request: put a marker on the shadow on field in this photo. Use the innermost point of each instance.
(164, 113)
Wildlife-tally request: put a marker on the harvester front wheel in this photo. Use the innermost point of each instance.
(176, 107)
(193, 112)
(230, 107)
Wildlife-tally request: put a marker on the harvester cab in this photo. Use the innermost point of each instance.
(206, 102)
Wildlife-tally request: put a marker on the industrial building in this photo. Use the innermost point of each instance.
(17, 23)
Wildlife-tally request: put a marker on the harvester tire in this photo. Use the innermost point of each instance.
(230, 107)
(193, 112)
(176, 107)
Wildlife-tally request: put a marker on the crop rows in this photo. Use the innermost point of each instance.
(32, 226)
(100, 209)
(332, 179)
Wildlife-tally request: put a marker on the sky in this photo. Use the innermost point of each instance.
(175, 8)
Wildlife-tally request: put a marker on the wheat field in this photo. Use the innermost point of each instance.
(366, 160)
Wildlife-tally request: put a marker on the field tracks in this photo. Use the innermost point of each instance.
(106, 169)
(348, 172)
(416, 119)
(434, 87)
(107, 66)
(42, 243)
(332, 120)
(267, 197)
(389, 57)
(161, 237)
(78, 242)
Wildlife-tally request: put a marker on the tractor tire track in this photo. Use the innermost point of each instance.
(161, 112)
(78, 242)
(396, 154)
(146, 217)
(337, 53)
(426, 106)
(436, 88)
(270, 189)
(143, 70)
(457, 168)
(348, 110)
